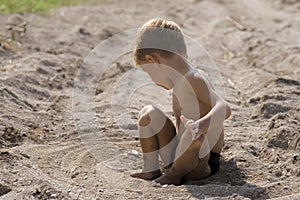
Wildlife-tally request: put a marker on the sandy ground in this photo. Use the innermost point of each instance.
(45, 153)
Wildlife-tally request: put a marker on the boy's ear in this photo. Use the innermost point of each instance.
(151, 58)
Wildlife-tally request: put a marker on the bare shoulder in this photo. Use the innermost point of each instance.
(199, 81)
(201, 86)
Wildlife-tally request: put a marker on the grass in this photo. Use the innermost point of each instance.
(37, 6)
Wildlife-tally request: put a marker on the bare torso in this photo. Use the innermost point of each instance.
(186, 102)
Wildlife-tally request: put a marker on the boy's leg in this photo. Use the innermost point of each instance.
(187, 162)
(157, 137)
(212, 160)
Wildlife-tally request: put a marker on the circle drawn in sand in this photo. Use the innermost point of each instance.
(127, 89)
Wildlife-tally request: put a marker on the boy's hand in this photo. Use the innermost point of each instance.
(191, 125)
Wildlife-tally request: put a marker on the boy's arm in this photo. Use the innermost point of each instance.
(215, 117)
(220, 110)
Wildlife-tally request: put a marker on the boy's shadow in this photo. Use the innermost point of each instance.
(228, 181)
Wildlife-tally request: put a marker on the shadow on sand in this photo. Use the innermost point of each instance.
(228, 181)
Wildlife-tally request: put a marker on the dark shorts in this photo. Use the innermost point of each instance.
(214, 162)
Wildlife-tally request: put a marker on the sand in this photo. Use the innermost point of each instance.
(50, 149)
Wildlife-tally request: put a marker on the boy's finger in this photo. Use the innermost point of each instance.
(186, 122)
(184, 119)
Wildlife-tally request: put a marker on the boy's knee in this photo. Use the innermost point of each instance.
(147, 113)
(144, 117)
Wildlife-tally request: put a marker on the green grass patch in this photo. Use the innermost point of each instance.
(38, 6)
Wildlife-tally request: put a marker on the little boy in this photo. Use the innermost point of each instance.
(191, 148)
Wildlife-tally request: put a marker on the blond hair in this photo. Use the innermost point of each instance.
(159, 36)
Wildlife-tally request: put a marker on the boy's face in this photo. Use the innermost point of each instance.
(158, 74)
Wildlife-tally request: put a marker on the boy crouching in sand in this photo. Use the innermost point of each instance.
(190, 149)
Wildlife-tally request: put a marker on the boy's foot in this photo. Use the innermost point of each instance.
(147, 175)
(167, 179)
(165, 169)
